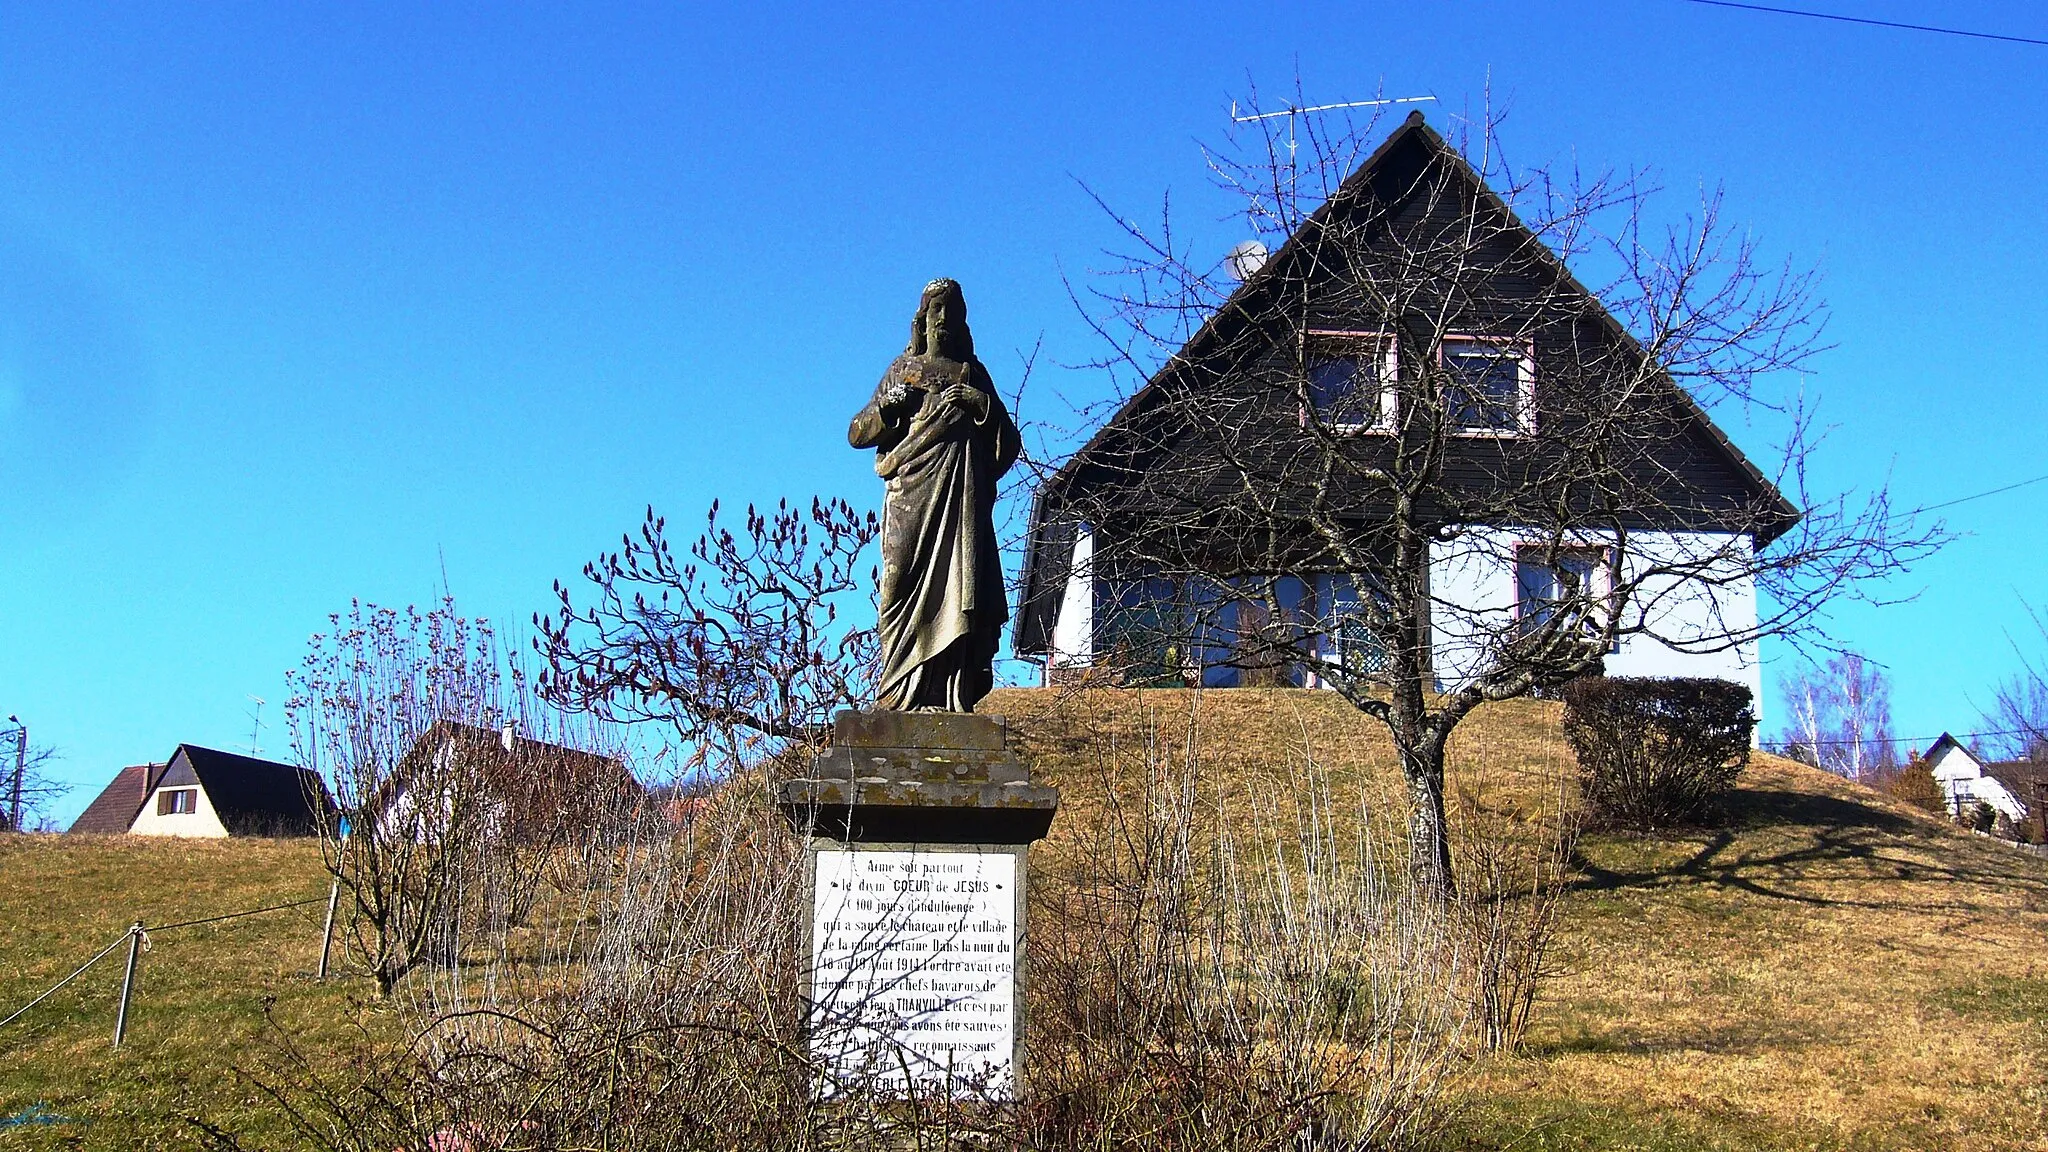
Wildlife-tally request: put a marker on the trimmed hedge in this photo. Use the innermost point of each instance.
(1654, 753)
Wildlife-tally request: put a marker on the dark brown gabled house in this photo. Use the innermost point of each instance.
(206, 793)
(1304, 356)
(529, 790)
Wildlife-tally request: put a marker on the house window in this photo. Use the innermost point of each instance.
(1552, 580)
(1150, 629)
(1349, 607)
(1348, 378)
(1489, 386)
(177, 801)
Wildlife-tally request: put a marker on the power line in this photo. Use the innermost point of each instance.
(2000, 491)
(1915, 740)
(1981, 495)
(1872, 22)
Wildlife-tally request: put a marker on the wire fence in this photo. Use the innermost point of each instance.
(137, 939)
(52, 990)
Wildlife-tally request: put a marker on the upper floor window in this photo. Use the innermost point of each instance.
(1350, 379)
(1490, 388)
(177, 801)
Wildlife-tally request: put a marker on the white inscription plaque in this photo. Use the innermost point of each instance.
(914, 970)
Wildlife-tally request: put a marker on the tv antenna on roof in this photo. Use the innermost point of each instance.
(1293, 111)
(256, 729)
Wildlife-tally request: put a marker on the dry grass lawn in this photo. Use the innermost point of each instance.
(201, 992)
(1830, 970)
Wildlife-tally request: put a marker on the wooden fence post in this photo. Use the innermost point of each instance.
(127, 982)
(327, 931)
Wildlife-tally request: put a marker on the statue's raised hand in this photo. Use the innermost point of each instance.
(965, 398)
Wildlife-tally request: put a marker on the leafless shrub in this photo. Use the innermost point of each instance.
(1210, 972)
(1656, 752)
(651, 1005)
(742, 646)
(456, 790)
(1518, 858)
(1202, 973)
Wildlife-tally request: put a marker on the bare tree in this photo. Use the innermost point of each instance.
(2016, 724)
(2018, 718)
(1207, 973)
(742, 646)
(26, 784)
(444, 816)
(1838, 716)
(1416, 385)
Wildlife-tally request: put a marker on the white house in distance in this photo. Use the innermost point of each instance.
(2013, 789)
(209, 794)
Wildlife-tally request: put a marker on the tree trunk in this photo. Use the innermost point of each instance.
(1429, 841)
(1418, 741)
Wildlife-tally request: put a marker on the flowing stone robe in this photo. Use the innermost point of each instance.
(942, 604)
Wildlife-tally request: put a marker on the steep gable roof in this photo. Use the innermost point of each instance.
(252, 797)
(2027, 780)
(1393, 174)
(2023, 782)
(113, 811)
(547, 787)
(1941, 747)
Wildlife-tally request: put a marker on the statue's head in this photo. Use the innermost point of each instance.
(940, 326)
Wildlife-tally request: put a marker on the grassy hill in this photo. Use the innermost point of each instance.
(1830, 970)
(201, 992)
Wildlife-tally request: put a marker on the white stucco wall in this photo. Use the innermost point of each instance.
(1680, 611)
(1472, 598)
(1473, 594)
(202, 822)
(1073, 630)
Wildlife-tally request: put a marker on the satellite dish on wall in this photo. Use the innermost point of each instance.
(1246, 258)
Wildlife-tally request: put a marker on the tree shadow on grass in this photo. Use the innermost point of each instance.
(1780, 844)
(1738, 1035)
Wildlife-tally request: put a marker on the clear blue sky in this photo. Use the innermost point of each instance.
(298, 303)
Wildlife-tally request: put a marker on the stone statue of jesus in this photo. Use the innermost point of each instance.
(942, 440)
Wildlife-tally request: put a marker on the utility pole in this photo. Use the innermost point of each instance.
(20, 769)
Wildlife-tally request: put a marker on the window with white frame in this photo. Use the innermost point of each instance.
(1351, 610)
(1490, 386)
(1350, 379)
(1550, 580)
(177, 801)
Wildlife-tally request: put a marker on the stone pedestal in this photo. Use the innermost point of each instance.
(917, 824)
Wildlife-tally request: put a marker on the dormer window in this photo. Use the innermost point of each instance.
(1490, 386)
(1350, 377)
